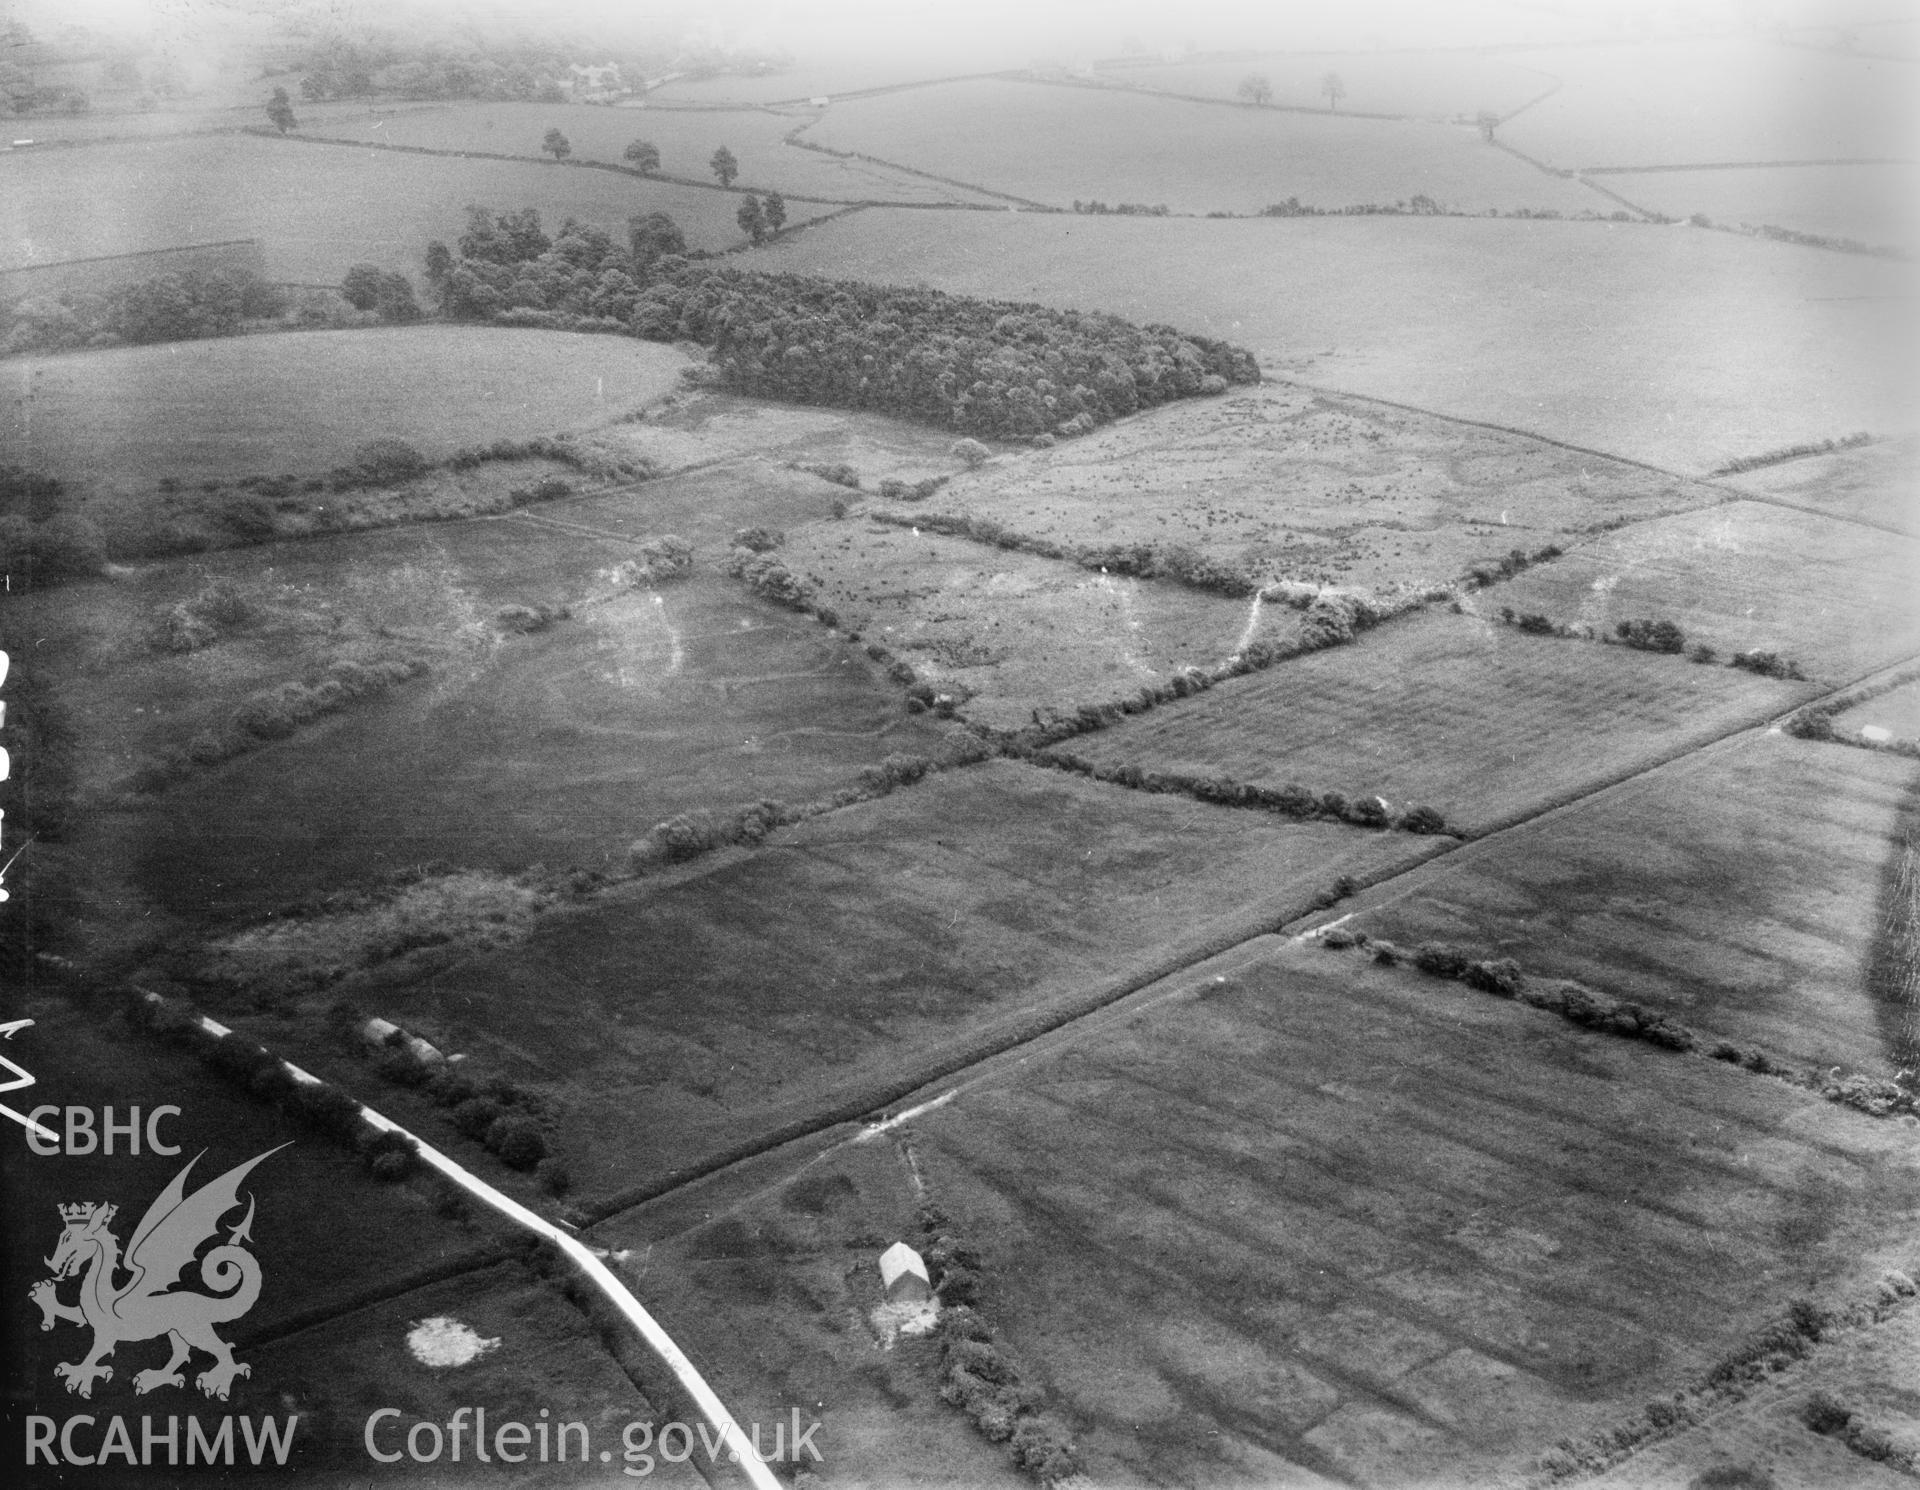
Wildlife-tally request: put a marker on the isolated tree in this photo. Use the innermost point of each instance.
(644, 156)
(752, 218)
(361, 287)
(280, 111)
(775, 211)
(439, 264)
(556, 145)
(724, 165)
(1488, 122)
(1333, 88)
(1255, 89)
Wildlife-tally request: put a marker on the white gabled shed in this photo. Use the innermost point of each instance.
(903, 1274)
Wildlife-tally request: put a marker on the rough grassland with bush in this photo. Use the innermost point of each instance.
(1281, 482)
(1193, 157)
(320, 209)
(1737, 891)
(1586, 332)
(1418, 1279)
(1017, 632)
(303, 402)
(1834, 596)
(698, 1008)
(1475, 719)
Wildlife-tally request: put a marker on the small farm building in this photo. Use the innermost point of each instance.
(904, 1275)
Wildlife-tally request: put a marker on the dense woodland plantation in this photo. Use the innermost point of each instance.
(1024, 746)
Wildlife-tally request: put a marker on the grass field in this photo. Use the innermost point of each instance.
(1873, 483)
(1736, 890)
(1192, 157)
(1667, 345)
(1335, 1220)
(303, 402)
(1897, 712)
(320, 209)
(545, 1357)
(1458, 713)
(671, 1019)
(685, 137)
(1835, 596)
(1283, 482)
(1426, 85)
(1688, 102)
(1875, 205)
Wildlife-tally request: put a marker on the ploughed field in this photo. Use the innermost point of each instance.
(799, 982)
(1457, 712)
(1743, 890)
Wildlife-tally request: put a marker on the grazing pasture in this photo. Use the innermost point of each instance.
(1423, 85)
(303, 401)
(1475, 719)
(682, 1014)
(1669, 345)
(1193, 157)
(1835, 596)
(1897, 712)
(1874, 205)
(1877, 483)
(686, 138)
(1700, 102)
(1283, 481)
(1737, 890)
(1328, 1219)
(319, 208)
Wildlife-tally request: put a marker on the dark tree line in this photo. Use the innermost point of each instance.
(184, 306)
(982, 367)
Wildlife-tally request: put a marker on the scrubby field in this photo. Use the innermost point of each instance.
(566, 745)
(686, 138)
(1588, 332)
(1874, 205)
(1714, 101)
(1459, 713)
(1021, 633)
(303, 402)
(1284, 482)
(1422, 85)
(1738, 890)
(1334, 1220)
(673, 1018)
(1877, 483)
(1193, 157)
(1835, 596)
(319, 208)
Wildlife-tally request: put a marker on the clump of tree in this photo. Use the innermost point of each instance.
(556, 144)
(1256, 89)
(390, 295)
(994, 369)
(643, 156)
(280, 111)
(1651, 636)
(1767, 665)
(182, 306)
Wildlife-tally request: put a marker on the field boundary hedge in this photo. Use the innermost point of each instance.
(1605, 1014)
(1815, 721)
